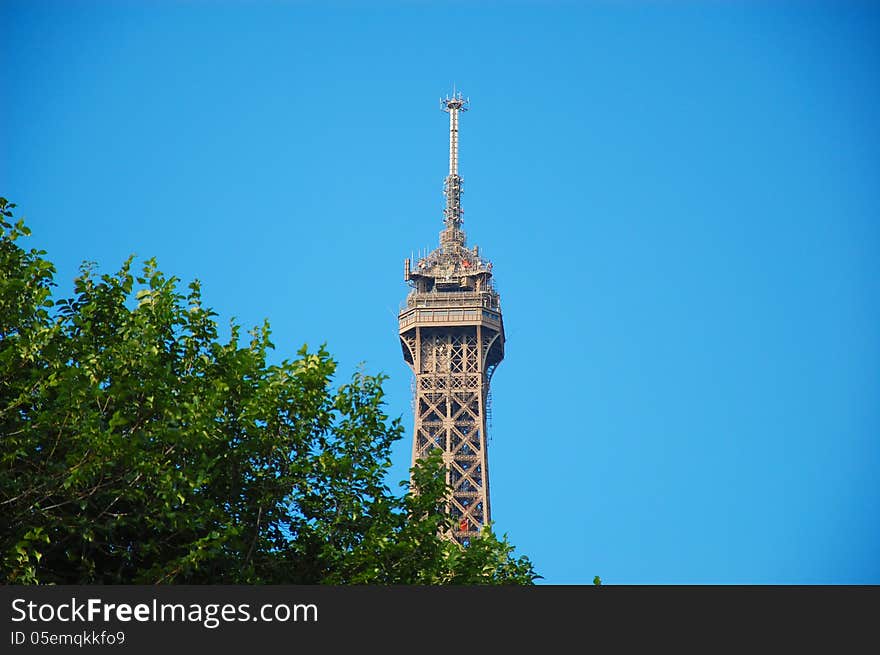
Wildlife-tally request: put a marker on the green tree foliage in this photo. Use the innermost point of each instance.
(138, 447)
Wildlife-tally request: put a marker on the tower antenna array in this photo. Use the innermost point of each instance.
(454, 104)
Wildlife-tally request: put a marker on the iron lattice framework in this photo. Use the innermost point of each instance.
(452, 336)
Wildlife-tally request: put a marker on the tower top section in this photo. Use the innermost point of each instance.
(453, 105)
(456, 101)
(453, 267)
(453, 187)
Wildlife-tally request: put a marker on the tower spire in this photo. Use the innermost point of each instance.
(453, 105)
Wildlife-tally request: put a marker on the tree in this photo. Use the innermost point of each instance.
(137, 447)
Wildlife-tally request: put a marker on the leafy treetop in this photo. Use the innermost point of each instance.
(137, 447)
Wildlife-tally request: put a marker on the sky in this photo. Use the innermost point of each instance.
(680, 200)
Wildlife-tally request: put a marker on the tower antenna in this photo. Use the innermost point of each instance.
(452, 187)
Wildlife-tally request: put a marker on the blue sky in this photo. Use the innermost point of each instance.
(680, 200)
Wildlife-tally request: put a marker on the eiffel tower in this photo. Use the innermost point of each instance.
(452, 336)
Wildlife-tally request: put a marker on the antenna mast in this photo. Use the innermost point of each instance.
(453, 185)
